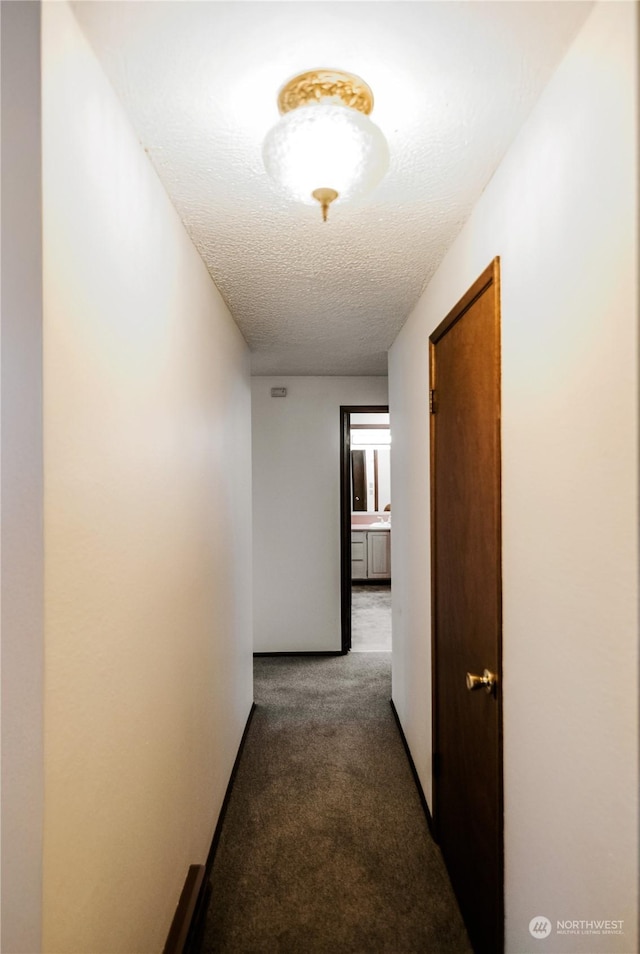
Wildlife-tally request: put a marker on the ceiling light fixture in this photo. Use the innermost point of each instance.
(325, 147)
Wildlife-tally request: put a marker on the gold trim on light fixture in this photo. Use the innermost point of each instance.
(325, 197)
(344, 89)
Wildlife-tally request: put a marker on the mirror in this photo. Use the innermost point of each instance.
(370, 439)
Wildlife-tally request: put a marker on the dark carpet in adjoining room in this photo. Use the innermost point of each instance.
(370, 618)
(325, 846)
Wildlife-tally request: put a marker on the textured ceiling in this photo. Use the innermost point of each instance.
(452, 82)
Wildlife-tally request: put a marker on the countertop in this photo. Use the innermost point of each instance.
(360, 526)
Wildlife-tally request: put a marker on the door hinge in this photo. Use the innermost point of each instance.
(432, 401)
(435, 765)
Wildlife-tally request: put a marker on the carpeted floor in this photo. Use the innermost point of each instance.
(325, 847)
(370, 618)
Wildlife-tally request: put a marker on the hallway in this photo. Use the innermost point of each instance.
(179, 341)
(325, 846)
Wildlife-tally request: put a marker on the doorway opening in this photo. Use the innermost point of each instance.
(365, 528)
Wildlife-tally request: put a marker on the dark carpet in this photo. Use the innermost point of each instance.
(370, 618)
(325, 846)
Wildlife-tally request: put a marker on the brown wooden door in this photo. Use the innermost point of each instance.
(467, 618)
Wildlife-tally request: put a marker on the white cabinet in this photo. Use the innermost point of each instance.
(370, 554)
(379, 554)
(359, 555)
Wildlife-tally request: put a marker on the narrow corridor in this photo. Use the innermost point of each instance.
(325, 846)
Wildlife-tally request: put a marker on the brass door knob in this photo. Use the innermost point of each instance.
(488, 680)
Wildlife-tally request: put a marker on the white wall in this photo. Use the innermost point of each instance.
(22, 559)
(147, 526)
(562, 213)
(296, 508)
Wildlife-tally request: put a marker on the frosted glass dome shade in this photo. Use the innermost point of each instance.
(325, 146)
